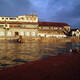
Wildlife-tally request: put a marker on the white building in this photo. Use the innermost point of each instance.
(28, 25)
(53, 29)
(75, 32)
(23, 18)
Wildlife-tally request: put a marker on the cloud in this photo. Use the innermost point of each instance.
(47, 10)
(14, 7)
(64, 11)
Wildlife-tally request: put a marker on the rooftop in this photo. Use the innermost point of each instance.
(75, 29)
(39, 23)
(53, 24)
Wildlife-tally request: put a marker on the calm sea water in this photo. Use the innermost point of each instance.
(12, 54)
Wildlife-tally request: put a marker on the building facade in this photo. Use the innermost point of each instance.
(52, 29)
(29, 26)
(23, 18)
(75, 32)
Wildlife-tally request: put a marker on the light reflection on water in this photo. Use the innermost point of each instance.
(12, 54)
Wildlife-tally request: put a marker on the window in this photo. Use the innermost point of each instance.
(5, 25)
(22, 18)
(35, 18)
(22, 33)
(26, 18)
(39, 27)
(1, 25)
(27, 33)
(55, 28)
(42, 35)
(45, 27)
(73, 32)
(30, 18)
(60, 28)
(2, 18)
(51, 28)
(2, 34)
(9, 34)
(33, 34)
(6, 18)
(12, 18)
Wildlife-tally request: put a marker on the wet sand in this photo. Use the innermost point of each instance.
(61, 67)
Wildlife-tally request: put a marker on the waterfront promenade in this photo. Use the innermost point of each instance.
(61, 67)
(40, 39)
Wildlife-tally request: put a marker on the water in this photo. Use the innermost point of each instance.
(12, 54)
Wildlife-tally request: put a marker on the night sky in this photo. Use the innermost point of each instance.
(48, 10)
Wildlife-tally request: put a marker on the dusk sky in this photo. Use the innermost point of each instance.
(48, 10)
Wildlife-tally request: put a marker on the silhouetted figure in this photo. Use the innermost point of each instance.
(20, 39)
(70, 50)
(76, 51)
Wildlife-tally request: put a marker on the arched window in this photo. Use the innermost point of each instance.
(2, 34)
(22, 33)
(9, 34)
(33, 34)
(27, 33)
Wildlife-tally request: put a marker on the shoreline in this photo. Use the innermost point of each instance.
(64, 67)
(40, 39)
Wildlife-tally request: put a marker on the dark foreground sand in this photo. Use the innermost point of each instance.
(61, 67)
